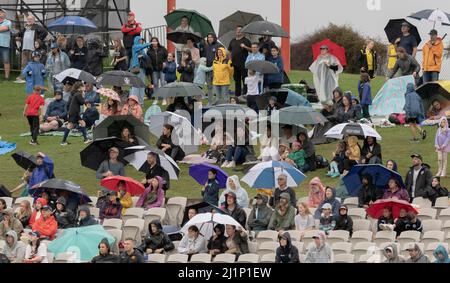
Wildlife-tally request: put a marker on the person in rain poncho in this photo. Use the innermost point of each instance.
(319, 251)
(14, 250)
(316, 192)
(234, 186)
(391, 254)
(416, 254)
(326, 69)
(441, 255)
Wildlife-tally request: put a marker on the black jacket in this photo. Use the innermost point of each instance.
(220, 242)
(158, 240)
(187, 72)
(157, 57)
(376, 151)
(423, 182)
(40, 32)
(88, 220)
(261, 222)
(435, 193)
(369, 193)
(362, 59)
(344, 223)
(276, 197)
(288, 253)
(238, 214)
(384, 220)
(94, 61)
(135, 257)
(158, 170)
(211, 192)
(108, 258)
(210, 52)
(65, 217)
(79, 58)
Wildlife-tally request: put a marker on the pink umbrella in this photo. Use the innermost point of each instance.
(132, 186)
(109, 93)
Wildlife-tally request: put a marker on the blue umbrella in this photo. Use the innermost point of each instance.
(264, 175)
(72, 25)
(380, 177)
(296, 99)
(200, 174)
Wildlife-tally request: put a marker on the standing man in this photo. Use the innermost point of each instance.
(130, 30)
(5, 42)
(418, 179)
(239, 48)
(407, 40)
(432, 57)
(210, 53)
(26, 38)
(184, 27)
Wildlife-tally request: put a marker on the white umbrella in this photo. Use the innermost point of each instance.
(138, 160)
(206, 222)
(75, 74)
(184, 134)
(265, 174)
(352, 129)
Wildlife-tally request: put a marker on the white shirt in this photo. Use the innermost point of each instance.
(42, 251)
(190, 245)
(285, 140)
(252, 85)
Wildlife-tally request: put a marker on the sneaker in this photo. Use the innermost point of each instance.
(414, 140)
(224, 164)
(33, 143)
(232, 164)
(330, 173)
(19, 81)
(86, 141)
(64, 143)
(424, 134)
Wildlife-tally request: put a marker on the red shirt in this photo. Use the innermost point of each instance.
(33, 102)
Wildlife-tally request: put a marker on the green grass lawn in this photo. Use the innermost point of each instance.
(395, 145)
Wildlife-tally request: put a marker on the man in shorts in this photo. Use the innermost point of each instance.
(5, 41)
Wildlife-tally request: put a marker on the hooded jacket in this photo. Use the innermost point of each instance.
(210, 50)
(237, 213)
(14, 224)
(88, 220)
(413, 104)
(259, 217)
(395, 258)
(222, 69)
(283, 222)
(108, 258)
(158, 240)
(46, 226)
(159, 197)
(138, 49)
(420, 258)
(344, 222)
(432, 56)
(34, 74)
(135, 110)
(316, 197)
(241, 193)
(335, 205)
(423, 182)
(442, 139)
(65, 217)
(56, 108)
(288, 253)
(42, 173)
(126, 201)
(321, 254)
(441, 249)
(350, 115)
(368, 193)
(220, 242)
(16, 252)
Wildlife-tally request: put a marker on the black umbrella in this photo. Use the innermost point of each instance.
(394, 30)
(63, 185)
(238, 18)
(265, 28)
(73, 74)
(120, 78)
(182, 37)
(4, 192)
(95, 153)
(300, 115)
(263, 67)
(201, 207)
(24, 160)
(280, 94)
(112, 127)
(435, 91)
(179, 89)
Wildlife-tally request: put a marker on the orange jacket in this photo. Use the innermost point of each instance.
(432, 57)
(47, 227)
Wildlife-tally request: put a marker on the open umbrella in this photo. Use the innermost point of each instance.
(199, 172)
(352, 129)
(263, 67)
(439, 90)
(375, 210)
(206, 222)
(179, 89)
(113, 125)
(264, 175)
(132, 186)
(4, 192)
(98, 151)
(265, 28)
(380, 177)
(63, 185)
(138, 159)
(197, 22)
(184, 134)
(24, 159)
(83, 241)
(435, 16)
(238, 18)
(335, 49)
(201, 207)
(109, 93)
(120, 78)
(181, 37)
(299, 115)
(73, 74)
(393, 30)
(72, 25)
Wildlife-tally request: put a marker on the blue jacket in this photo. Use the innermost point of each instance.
(211, 192)
(92, 97)
(41, 173)
(335, 205)
(365, 93)
(138, 49)
(278, 77)
(34, 74)
(200, 75)
(56, 108)
(90, 115)
(170, 72)
(413, 104)
(443, 250)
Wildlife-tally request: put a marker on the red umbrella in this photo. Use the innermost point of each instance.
(335, 49)
(132, 186)
(376, 209)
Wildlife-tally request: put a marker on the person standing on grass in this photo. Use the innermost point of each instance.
(130, 30)
(222, 72)
(157, 55)
(5, 41)
(414, 112)
(274, 81)
(57, 61)
(34, 73)
(210, 53)
(365, 94)
(78, 54)
(74, 114)
(33, 105)
(432, 57)
(239, 48)
(442, 146)
(407, 40)
(120, 58)
(368, 59)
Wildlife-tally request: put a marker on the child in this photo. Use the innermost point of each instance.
(252, 82)
(170, 72)
(33, 104)
(442, 146)
(284, 151)
(34, 73)
(297, 156)
(357, 107)
(232, 100)
(353, 153)
(133, 108)
(414, 112)
(327, 221)
(365, 94)
(386, 221)
(338, 159)
(272, 105)
(200, 73)
(90, 115)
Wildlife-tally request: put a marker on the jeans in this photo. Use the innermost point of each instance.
(209, 80)
(139, 92)
(158, 79)
(430, 77)
(4, 54)
(240, 73)
(236, 154)
(251, 102)
(221, 92)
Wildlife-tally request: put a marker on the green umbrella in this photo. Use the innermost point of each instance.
(83, 241)
(198, 22)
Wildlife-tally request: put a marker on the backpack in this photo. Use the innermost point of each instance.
(321, 162)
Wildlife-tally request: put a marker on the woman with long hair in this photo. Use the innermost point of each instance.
(24, 213)
(120, 59)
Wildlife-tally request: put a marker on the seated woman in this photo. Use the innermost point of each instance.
(286, 252)
(156, 242)
(233, 185)
(283, 151)
(337, 163)
(368, 193)
(392, 165)
(434, 113)
(436, 190)
(37, 212)
(192, 243)
(124, 197)
(304, 220)
(111, 208)
(35, 252)
(133, 108)
(8, 223)
(310, 152)
(237, 152)
(316, 192)
(330, 198)
(386, 221)
(346, 112)
(111, 108)
(65, 217)
(396, 191)
(126, 136)
(24, 213)
(283, 215)
(352, 154)
(217, 242)
(165, 144)
(343, 220)
(233, 209)
(237, 241)
(371, 152)
(153, 195)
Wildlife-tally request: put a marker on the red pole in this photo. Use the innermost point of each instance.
(285, 42)
(171, 5)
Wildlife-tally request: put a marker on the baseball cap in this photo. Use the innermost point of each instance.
(324, 47)
(326, 206)
(416, 155)
(433, 32)
(318, 235)
(406, 24)
(46, 207)
(35, 233)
